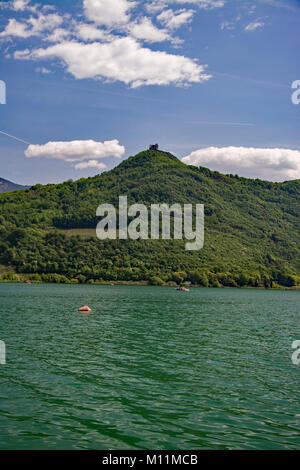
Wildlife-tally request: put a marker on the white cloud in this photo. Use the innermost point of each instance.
(45, 22)
(155, 6)
(144, 29)
(58, 35)
(22, 55)
(90, 32)
(90, 164)
(174, 19)
(108, 12)
(272, 164)
(254, 25)
(125, 60)
(109, 46)
(76, 150)
(20, 4)
(33, 26)
(17, 29)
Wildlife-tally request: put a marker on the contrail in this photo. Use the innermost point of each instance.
(16, 138)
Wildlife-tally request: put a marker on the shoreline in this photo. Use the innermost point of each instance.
(147, 284)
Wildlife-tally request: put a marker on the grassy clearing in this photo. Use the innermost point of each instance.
(82, 232)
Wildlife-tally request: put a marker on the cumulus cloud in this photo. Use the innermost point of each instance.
(57, 35)
(174, 19)
(125, 60)
(17, 29)
(20, 4)
(90, 32)
(45, 22)
(109, 13)
(155, 6)
(90, 164)
(272, 164)
(33, 26)
(22, 54)
(144, 29)
(17, 5)
(76, 150)
(107, 43)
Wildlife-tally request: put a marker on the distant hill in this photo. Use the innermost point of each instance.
(7, 186)
(252, 228)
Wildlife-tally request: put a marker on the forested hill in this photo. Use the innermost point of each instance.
(252, 234)
(6, 186)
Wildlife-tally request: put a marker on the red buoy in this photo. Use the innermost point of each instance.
(84, 309)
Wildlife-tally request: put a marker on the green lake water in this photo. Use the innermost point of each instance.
(149, 368)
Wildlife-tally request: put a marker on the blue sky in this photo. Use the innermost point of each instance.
(209, 80)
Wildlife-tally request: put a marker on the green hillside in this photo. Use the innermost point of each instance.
(252, 234)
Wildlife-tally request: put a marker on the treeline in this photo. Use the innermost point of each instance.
(196, 278)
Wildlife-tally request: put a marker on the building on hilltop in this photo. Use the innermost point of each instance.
(154, 147)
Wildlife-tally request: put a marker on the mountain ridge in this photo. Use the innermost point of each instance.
(7, 186)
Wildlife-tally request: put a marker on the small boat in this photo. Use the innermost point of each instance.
(184, 289)
(84, 309)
